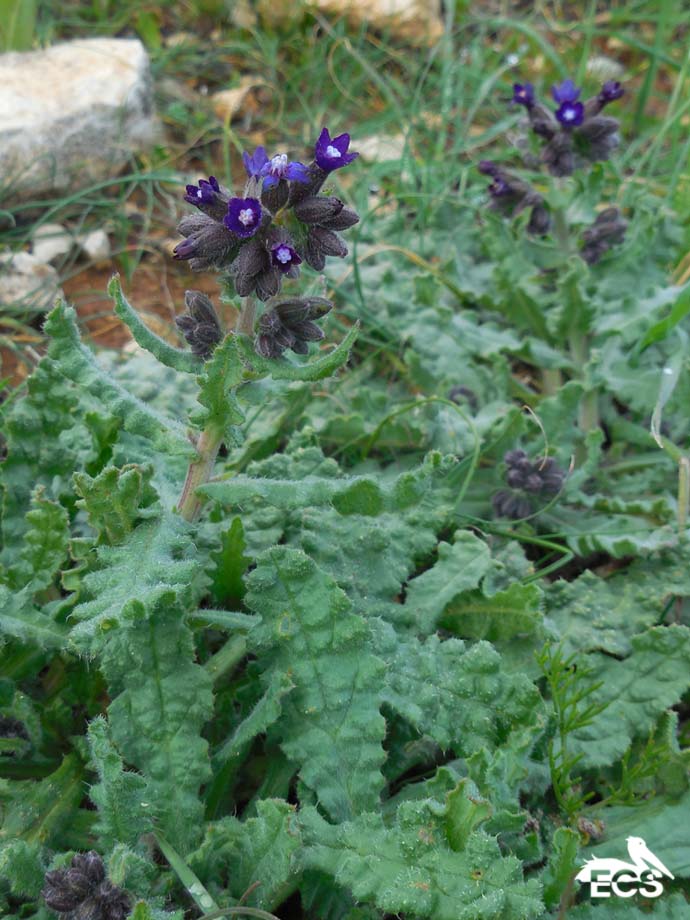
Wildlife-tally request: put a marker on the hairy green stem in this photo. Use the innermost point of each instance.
(247, 317)
(588, 411)
(552, 380)
(199, 472)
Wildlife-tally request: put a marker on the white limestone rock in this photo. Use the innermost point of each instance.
(26, 283)
(72, 114)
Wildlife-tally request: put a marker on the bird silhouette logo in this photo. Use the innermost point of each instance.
(644, 867)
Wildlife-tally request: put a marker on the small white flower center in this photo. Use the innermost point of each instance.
(568, 114)
(199, 193)
(333, 152)
(279, 162)
(283, 255)
(246, 217)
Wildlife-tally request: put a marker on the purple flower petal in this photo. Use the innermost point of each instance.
(523, 94)
(243, 217)
(565, 92)
(284, 257)
(331, 153)
(570, 114)
(255, 163)
(203, 193)
(297, 172)
(610, 91)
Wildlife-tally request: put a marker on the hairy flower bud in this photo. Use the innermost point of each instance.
(558, 156)
(83, 892)
(318, 208)
(328, 242)
(209, 196)
(199, 325)
(526, 478)
(510, 196)
(209, 244)
(607, 230)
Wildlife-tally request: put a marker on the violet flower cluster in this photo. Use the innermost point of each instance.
(573, 134)
(261, 239)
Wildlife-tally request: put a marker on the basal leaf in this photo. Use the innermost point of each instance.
(235, 855)
(160, 701)
(44, 547)
(120, 796)
(331, 725)
(408, 868)
(459, 568)
(116, 499)
(498, 617)
(635, 691)
(22, 619)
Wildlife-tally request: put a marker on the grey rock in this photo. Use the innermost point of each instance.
(27, 284)
(71, 115)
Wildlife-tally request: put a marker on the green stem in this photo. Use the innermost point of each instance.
(552, 380)
(588, 411)
(247, 317)
(199, 472)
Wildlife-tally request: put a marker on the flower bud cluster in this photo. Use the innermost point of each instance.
(279, 222)
(83, 892)
(607, 230)
(199, 325)
(576, 132)
(510, 196)
(290, 324)
(527, 479)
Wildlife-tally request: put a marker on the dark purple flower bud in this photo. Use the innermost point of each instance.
(607, 230)
(570, 114)
(278, 168)
(598, 137)
(523, 94)
(200, 325)
(610, 91)
(209, 197)
(342, 221)
(331, 153)
(510, 196)
(532, 483)
(542, 121)
(515, 478)
(488, 168)
(314, 255)
(511, 505)
(255, 163)
(252, 261)
(284, 257)
(268, 283)
(461, 393)
(565, 92)
(209, 244)
(558, 155)
(243, 217)
(540, 220)
(317, 208)
(82, 892)
(328, 242)
(275, 197)
(514, 457)
(12, 728)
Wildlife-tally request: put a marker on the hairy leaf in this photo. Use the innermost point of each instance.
(331, 724)
(635, 692)
(45, 545)
(115, 499)
(282, 369)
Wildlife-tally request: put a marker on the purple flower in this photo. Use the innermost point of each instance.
(610, 91)
(570, 114)
(284, 257)
(331, 153)
(523, 94)
(278, 168)
(499, 187)
(243, 217)
(255, 163)
(203, 193)
(565, 92)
